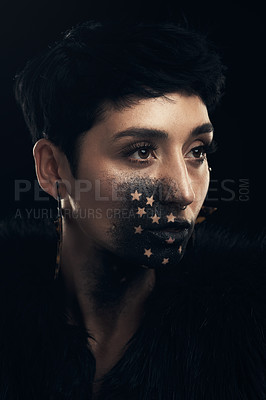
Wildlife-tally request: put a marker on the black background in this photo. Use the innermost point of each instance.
(238, 32)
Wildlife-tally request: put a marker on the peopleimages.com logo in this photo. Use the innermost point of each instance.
(229, 190)
(225, 190)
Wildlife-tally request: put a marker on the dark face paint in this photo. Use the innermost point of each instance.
(147, 228)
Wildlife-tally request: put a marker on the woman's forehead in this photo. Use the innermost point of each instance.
(175, 113)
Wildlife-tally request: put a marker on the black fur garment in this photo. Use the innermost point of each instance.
(203, 338)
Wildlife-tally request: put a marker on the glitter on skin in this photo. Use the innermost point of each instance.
(131, 240)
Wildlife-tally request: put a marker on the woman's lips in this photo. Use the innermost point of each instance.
(170, 230)
(165, 234)
(171, 226)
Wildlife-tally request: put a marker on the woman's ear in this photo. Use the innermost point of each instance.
(51, 166)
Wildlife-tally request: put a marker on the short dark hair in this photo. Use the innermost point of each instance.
(63, 91)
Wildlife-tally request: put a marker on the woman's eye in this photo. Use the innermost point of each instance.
(142, 154)
(197, 153)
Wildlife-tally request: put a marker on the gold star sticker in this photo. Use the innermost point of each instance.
(149, 200)
(170, 218)
(147, 252)
(155, 219)
(136, 195)
(170, 240)
(180, 249)
(165, 261)
(141, 211)
(138, 229)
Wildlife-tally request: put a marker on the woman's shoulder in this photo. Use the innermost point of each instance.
(27, 249)
(221, 278)
(225, 245)
(35, 339)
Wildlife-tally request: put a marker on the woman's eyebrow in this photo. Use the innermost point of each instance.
(158, 133)
(201, 129)
(142, 132)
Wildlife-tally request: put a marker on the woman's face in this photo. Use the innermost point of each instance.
(137, 169)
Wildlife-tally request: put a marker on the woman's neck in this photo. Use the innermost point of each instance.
(105, 295)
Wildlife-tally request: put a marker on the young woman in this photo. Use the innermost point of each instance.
(119, 117)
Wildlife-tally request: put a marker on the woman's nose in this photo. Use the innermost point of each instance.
(178, 186)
